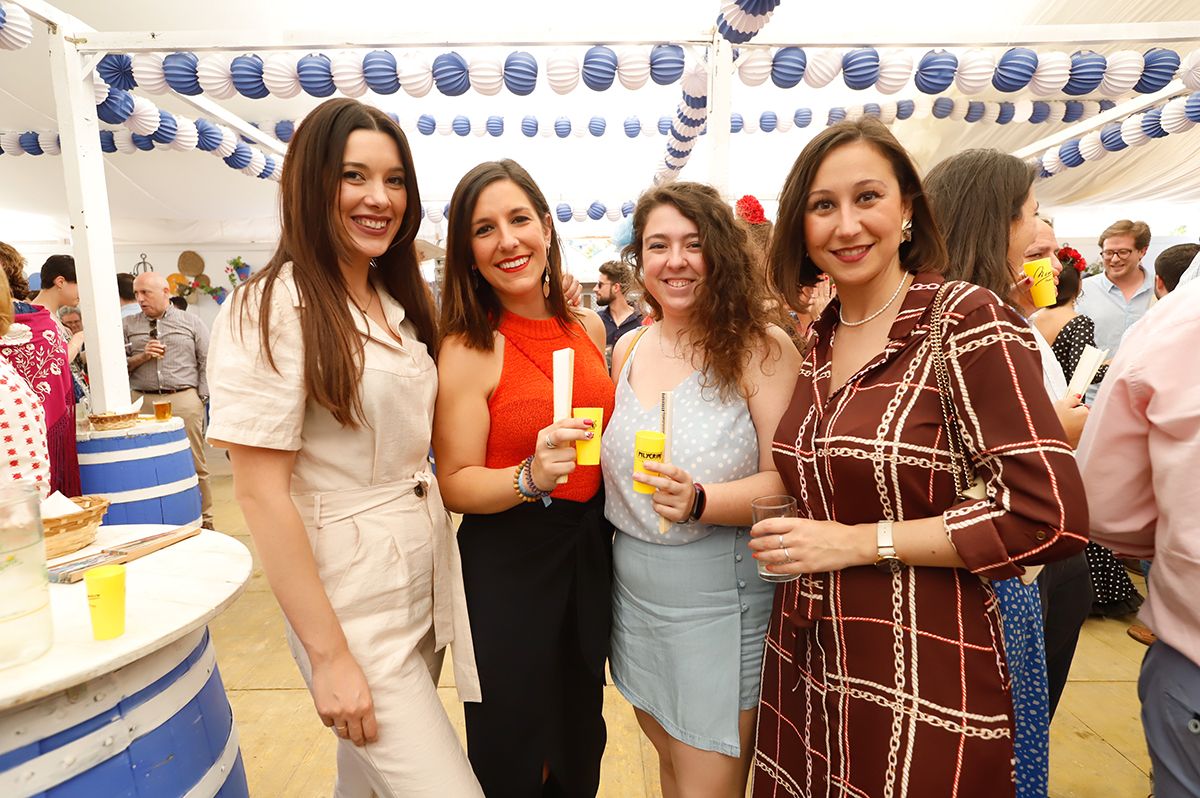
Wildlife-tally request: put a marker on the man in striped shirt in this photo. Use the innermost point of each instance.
(167, 352)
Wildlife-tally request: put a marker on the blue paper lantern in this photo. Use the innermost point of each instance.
(116, 108)
(379, 71)
(316, 75)
(666, 63)
(599, 68)
(495, 126)
(1007, 112)
(626, 208)
(787, 67)
(529, 126)
(107, 144)
(860, 68)
(942, 107)
(563, 212)
(732, 34)
(450, 74)
(664, 125)
(1107, 105)
(284, 130)
(1087, 73)
(1159, 70)
(1015, 69)
(208, 137)
(562, 127)
(768, 121)
(597, 125)
(974, 111)
(179, 70)
(1069, 153)
(596, 211)
(167, 128)
(802, 117)
(836, 115)
(29, 142)
(1072, 111)
(1152, 123)
(736, 123)
(1191, 108)
(426, 125)
(633, 127)
(1111, 138)
(446, 210)
(144, 143)
(1040, 112)
(116, 69)
(461, 125)
(421, 211)
(247, 74)
(268, 168)
(905, 109)
(935, 72)
(872, 109)
(240, 157)
(520, 72)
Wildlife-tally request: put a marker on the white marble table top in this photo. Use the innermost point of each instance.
(168, 594)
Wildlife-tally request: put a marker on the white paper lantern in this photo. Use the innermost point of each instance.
(148, 72)
(145, 119)
(612, 213)
(280, 76)
(277, 175)
(1051, 161)
(1052, 73)
(1090, 108)
(975, 70)
(479, 127)
(649, 129)
(754, 67)
(48, 141)
(257, 162)
(785, 122)
(887, 112)
(823, 66)
(562, 71)
(579, 215)
(695, 80)
(228, 143)
(1174, 117)
(215, 77)
(186, 136)
(750, 123)
(347, 70)
(1057, 109)
(922, 107)
(416, 76)
(854, 113)
(10, 142)
(99, 90)
(1091, 147)
(1123, 71)
(123, 139)
(1022, 110)
(1189, 70)
(445, 126)
(433, 213)
(18, 29)
(895, 70)
(991, 112)
(1131, 131)
(633, 67)
(487, 76)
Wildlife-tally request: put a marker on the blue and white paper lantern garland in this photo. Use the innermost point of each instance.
(688, 124)
(741, 20)
(564, 211)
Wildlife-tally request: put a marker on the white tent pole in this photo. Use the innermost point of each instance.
(91, 226)
(1116, 113)
(720, 77)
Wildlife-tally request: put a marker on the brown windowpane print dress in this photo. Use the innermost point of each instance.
(899, 687)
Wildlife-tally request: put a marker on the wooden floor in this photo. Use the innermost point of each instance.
(1097, 749)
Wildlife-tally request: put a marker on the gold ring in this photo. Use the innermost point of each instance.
(788, 554)
(549, 443)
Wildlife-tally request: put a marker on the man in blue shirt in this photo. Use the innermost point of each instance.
(1122, 293)
(618, 315)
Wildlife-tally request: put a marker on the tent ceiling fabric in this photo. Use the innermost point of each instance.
(166, 195)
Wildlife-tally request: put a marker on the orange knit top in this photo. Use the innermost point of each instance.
(523, 402)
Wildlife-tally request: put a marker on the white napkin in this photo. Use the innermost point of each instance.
(57, 505)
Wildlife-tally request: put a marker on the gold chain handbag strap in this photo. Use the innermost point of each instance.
(959, 463)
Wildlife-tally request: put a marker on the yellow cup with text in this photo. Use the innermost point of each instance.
(106, 600)
(647, 445)
(1041, 279)
(587, 452)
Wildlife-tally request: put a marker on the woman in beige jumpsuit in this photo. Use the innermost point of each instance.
(323, 390)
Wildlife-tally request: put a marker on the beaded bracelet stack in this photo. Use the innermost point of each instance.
(523, 483)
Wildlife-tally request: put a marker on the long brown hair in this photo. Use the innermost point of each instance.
(314, 241)
(790, 266)
(470, 308)
(977, 196)
(731, 321)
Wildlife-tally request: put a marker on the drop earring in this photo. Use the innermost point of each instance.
(906, 231)
(546, 283)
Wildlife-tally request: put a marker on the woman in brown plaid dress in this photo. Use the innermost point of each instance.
(884, 671)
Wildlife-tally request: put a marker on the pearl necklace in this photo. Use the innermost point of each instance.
(877, 313)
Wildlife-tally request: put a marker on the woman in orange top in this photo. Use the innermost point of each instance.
(537, 558)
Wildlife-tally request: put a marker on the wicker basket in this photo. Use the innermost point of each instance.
(72, 532)
(110, 421)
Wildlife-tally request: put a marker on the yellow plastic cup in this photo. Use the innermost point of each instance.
(106, 600)
(647, 445)
(1042, 288)
(587, 452)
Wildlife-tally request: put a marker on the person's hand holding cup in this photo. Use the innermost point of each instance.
(766, 507)
(555, 455)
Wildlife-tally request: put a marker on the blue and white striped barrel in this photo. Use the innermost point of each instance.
(146, 473)
(158, 727)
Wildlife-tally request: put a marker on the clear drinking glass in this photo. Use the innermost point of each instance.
(773, 507)
(25, 625)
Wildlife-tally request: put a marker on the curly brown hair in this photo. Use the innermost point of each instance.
(14, 270)
(730, 300)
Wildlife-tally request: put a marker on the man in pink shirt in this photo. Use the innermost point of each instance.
(1140, 460)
